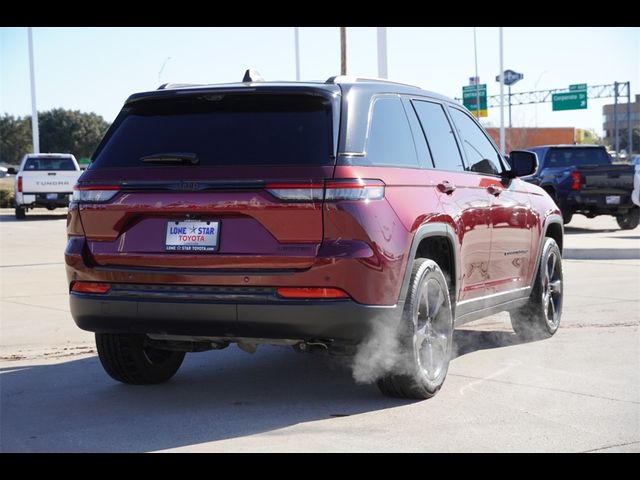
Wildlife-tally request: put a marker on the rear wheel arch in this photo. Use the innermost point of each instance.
(436, 241)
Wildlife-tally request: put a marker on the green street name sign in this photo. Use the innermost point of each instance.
(470, 96)
(578, 86)
(574, 100)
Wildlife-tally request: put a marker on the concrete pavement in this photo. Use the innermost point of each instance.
(578, 391)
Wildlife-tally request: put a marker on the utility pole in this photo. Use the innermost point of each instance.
(382, 52)
(615, 118)
(501, 97)
(35, 134)
(297, 48)
(343, 50)
(475, 55)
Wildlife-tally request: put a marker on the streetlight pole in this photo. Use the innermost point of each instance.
(297, 48)
(343, 50)
(382, 52)
(35, 134)
(502, 146)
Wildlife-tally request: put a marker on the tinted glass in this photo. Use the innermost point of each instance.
(390, 141)
(49, 163)
(440, 138)
(224, 129)
(424, 155)
(565, 157)
(481, 156)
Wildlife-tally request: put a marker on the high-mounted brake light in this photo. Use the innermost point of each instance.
(90, 287)
(308, 292)
(19, 184)
(333, 190)
(94, 193)
(576, 179)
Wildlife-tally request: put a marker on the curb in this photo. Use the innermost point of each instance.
(601, 254)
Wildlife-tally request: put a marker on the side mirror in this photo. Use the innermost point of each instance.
(523, 163)
(11, 171)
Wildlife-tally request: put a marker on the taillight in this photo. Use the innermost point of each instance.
(90, 287)
(333, 190)
(94, 193)
(310, 292)
(19, 184)
(301, 192)
(576, 179)
(354, 189)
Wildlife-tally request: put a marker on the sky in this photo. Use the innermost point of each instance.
(94, 69)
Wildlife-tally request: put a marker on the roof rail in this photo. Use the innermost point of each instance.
(351, 79)
(168, 86)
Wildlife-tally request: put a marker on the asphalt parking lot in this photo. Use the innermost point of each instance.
(576, 392)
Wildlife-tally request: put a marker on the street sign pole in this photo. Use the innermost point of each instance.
(615, 117)
(509, 106)
(475, 54)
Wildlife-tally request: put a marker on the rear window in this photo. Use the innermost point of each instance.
(49, 163)
(565, 157)
(224, 129)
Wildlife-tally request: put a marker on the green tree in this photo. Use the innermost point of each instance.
(71, 131)
(15, 139)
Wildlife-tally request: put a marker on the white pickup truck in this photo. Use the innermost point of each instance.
(45, 180)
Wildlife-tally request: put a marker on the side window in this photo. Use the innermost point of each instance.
(424, 155)
(437, 129)
(481, 156)
(390, 141)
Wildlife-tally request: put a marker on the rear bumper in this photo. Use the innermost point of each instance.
(339, 320)
(43, 199)
(596, 203)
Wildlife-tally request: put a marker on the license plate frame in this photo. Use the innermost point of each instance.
(192, 236)
(612, 199)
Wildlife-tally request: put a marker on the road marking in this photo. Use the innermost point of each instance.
(32, 265)
(510, 364)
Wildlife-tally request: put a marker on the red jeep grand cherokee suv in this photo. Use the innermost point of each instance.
(316, 215)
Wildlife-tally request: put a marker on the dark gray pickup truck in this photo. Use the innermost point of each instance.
(582, 179)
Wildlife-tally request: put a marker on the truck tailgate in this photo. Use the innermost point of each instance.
(47, 181)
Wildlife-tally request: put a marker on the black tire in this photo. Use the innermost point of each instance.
(566, 216)
(21, 213)
(630, 220)
(540, 317)
(127, 359)
(426, 335)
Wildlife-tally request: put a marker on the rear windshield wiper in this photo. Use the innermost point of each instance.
(173, 157)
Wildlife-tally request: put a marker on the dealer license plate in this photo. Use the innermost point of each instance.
(613, 199)
(192, 236)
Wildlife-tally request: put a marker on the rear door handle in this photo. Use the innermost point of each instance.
(446, 187)
(493, 190)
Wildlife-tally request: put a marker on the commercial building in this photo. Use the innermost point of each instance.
(608, 119)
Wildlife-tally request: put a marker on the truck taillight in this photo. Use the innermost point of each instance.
(94, 193)
(332, 191)
(19, 180)
(576, 179)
